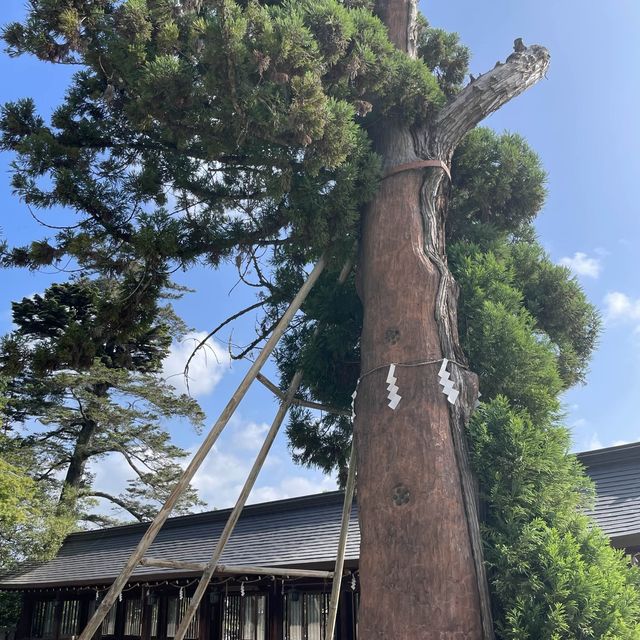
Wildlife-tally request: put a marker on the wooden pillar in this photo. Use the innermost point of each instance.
(145, 631)
(57, 615)
(23, 628)
(204, 618)
(344, 617)
(275, 630)
(162, 616)
(119, 626)
(211, 615)
(83, 610)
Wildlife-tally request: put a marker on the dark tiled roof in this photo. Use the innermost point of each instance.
(616, 473)
(294, 532)
(297, 532)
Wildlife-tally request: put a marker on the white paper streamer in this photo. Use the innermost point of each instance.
(353, 401)
(393, 388)
(447, 383)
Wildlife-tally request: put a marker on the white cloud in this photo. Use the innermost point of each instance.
(248, 435)
(579, 423)
(205, 370)
(222, 475)
(293, 486)
(594, 443)
(619, 306)
(220, 478)
(581, 264)
(111, 474)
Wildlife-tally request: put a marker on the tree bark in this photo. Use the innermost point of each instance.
(77, 466)
(73, 479)
(421, 568)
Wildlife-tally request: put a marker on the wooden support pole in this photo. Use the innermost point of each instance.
(342, 545)
(309, 404)
(182, 484)
(246, 490)
(228, 569)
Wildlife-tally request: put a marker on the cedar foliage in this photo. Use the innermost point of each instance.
(208, 130)
(528, 332)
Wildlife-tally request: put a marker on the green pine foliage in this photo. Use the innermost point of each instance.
(83, 381)
(253, 116)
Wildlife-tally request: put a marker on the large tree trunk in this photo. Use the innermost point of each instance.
(421, 568)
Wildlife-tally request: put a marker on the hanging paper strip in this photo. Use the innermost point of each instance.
(448, 387)
(353, 401)
(392, 387)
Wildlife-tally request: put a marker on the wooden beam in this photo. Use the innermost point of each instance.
(228, 569)
(197, 460)
(301, 402)
(271, 386)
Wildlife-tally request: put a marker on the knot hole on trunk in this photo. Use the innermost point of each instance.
(401, 495)
(392, 336)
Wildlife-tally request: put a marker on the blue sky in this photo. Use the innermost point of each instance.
(582, 121)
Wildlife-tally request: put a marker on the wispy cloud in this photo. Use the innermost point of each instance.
(594, 443)
(222, 475)
(293, 486)
(583, 265)
(248, 436)
(620, 307)
(205, 370)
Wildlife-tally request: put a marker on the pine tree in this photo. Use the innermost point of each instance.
(221, 129)
(83, 367)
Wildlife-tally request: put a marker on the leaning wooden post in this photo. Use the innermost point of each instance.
(342, 545)
(151, 533)
(212, 565)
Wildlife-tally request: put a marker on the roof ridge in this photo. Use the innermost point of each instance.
(284, 504)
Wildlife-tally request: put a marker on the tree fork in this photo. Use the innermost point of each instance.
(421, 566)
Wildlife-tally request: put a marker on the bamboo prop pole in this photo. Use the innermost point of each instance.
(203, 584)
(342, 545)
(309, 404)
(228, 569)
(154, 528)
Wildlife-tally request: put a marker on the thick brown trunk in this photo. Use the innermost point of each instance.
(416, 568)
(421, 569)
